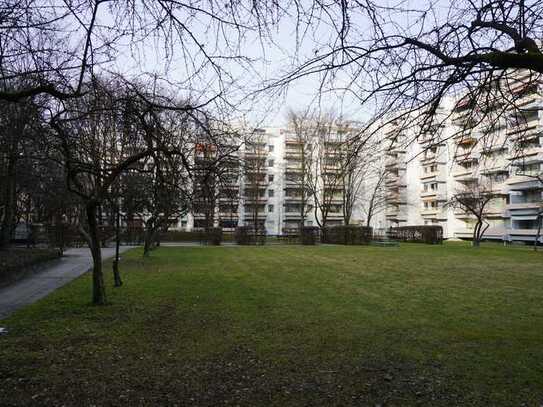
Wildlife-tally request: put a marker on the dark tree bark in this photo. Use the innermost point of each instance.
(10, 201)
(116, 274)
(98, 287)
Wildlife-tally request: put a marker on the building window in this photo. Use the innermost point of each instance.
(270, 193)
(270, 178)
(270, 148)
(270, 208)
(270, 163)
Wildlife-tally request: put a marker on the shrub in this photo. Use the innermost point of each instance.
(15, 263)
(212, 236)
(181, 236)
(309, 235)
(429, 234)
(134, 235)
(247, 235)
(346, 234)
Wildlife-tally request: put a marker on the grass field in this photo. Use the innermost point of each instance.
(288, 326)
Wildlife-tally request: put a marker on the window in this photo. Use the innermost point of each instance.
(270, 208)
(270, 193)
(270, 148)
(270, 178)
(270, 163)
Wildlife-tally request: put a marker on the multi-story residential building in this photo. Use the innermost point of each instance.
(500, 154)
(394, 139)
(297, 200)
(272, 182)
(497, 154)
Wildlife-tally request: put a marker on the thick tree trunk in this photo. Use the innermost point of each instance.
(8, 222)
(98, 286)
(476, 238)
(150, 236)
(117, 281)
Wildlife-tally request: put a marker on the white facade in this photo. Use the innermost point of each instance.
(428, 168)
(268, 156)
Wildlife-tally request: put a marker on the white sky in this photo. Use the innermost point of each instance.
(272, 57)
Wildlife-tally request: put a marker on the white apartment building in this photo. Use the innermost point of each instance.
(270, 193)
(426, 168)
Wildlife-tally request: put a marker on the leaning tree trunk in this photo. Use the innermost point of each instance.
(98, 287)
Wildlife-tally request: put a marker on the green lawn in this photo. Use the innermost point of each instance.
(289, 325)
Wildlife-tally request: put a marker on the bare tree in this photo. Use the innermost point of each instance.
(54, 48)
(375, 192)
(216, 172)
(362, 174)
(328, 172)
(300, 161)
(402, 61)
(24, 152)
(476, 199)
(100, 136)
(168, 200)
(255, 163)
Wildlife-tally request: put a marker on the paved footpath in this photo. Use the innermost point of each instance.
(55, 274)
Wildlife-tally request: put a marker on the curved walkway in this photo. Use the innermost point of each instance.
(54, 274)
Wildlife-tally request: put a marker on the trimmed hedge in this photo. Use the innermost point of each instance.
(212, 236)
(15, 263)
(246, 235)
(309, 235)
(181, 236)
(429, 234)
(346, 234)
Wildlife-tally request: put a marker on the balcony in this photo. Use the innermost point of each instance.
(397, 182)
(531, 233)
(436, 194)
(461, 214)
(531, 151)
(429, 211)
(524, 205)
(396, 216)
(293, 141)
(427, 176)
(293, 154)
(256, 153)
(229, 215)
(394, 163)
(294, 199)
(396, 198)
(463, 155)
(466, 141)
(293, 165)
(248, 217)
(463, 172)
(526, 181)
(526, 128)
(252, 200)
